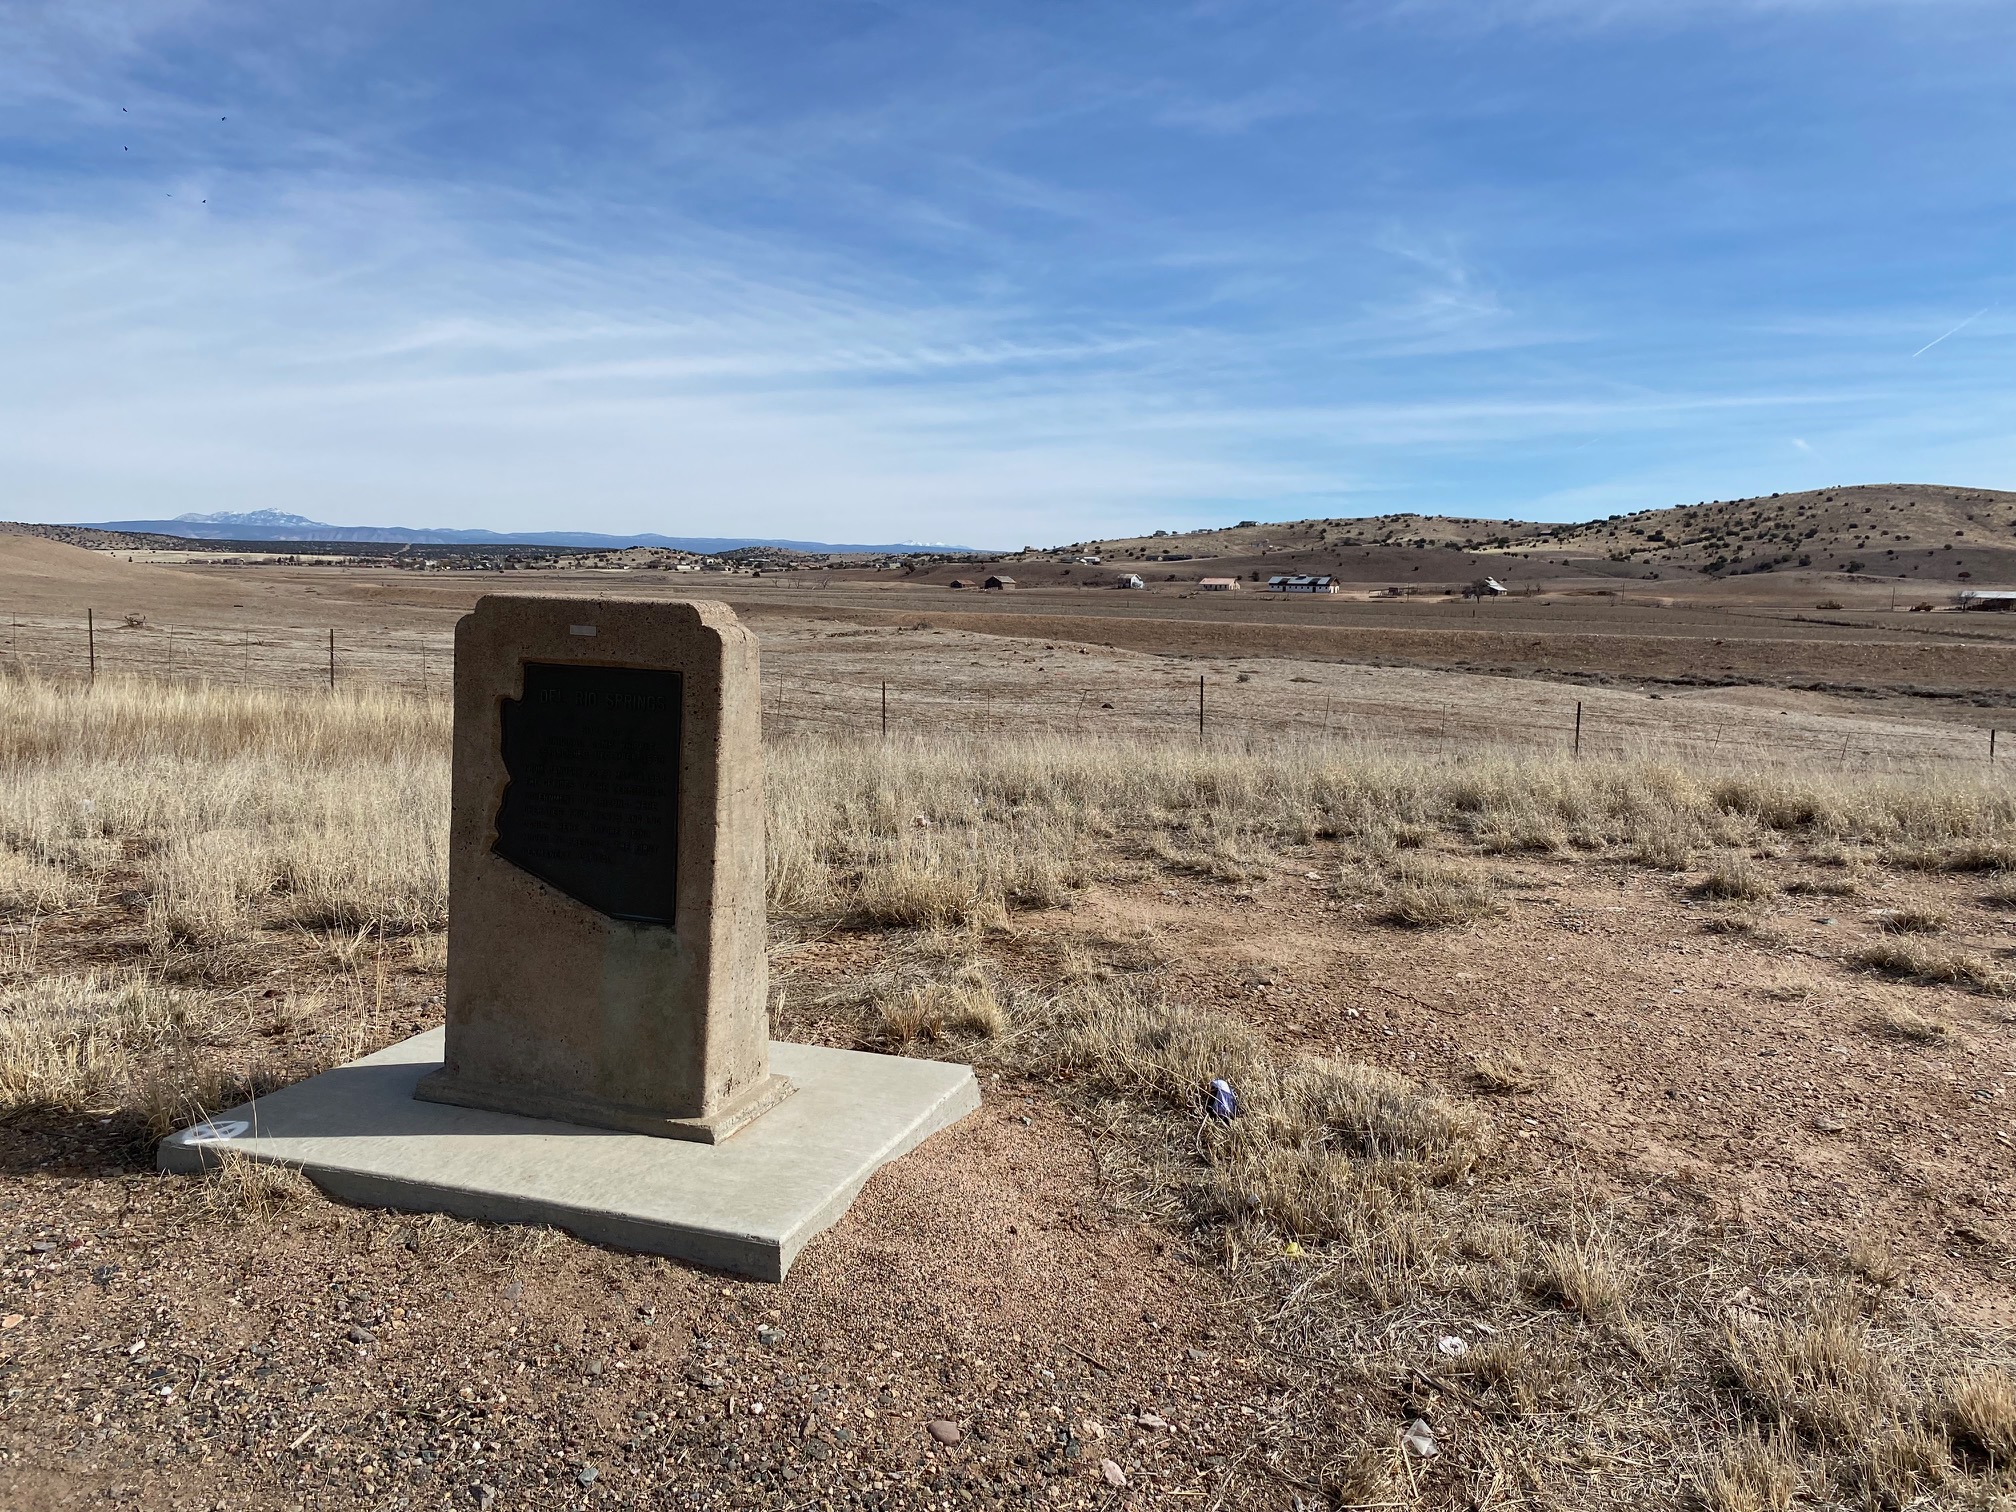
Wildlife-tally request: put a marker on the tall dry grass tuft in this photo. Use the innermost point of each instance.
(1917, 962)
(1322, 1151)
(1754, 1474)
(1819, 1375)
(256, 1191)
(1981, 1414)
(71, 1043)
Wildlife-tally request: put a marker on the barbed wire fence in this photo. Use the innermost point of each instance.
(1162, 705)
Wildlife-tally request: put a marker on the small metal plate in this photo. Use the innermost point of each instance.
(592, 805)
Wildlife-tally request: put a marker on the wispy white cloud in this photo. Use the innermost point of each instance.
(929, 274)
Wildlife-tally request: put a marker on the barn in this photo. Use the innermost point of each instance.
(997, 581)
(1218, 584)
(1301, 583)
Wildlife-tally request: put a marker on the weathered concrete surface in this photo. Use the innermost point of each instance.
(556, 1010)
(748, 1204)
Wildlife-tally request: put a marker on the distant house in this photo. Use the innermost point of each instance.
(998, 581)
(1089, 561)
(958, 583)
(1128, 580)
(1975, 598)
(1301, 583)
(1218, 585)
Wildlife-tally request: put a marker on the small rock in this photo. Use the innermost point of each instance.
(944, 1430)
(1115, 1476)
(514, 1291)
(485, 1497)
(12, 1320)
(710, 1383)
(1827, 1123)
(1197, 1355)
(1419, 1439)
(360, 1335)
(594, 1367)
(1150, 1420)
(756, 1409)
(587, 1475)
(1091, 1430)
(769, 1337)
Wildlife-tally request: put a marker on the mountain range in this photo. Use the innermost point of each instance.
(273, 525)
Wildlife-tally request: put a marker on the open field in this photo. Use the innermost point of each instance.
(1639, 1122)
(1676, 1097)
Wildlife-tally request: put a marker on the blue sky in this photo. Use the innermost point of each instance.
(998, 273)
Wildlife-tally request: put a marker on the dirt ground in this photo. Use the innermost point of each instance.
(160, 1348)
(161, 1352)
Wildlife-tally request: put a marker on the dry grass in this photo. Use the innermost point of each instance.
(915, 833)
(1359, 1214)
(1909, 1024)
(1420, 890)
(1507, 1071)
(943, 1012)
(1927, 963)
(229, 810)
(1981, 1414)
(1756, 1473)
(1873, 1261)
(1818, 1375)
(1322, 1152)
(1825, 887)
(1583, 1274)
(1741, 925)
(97, 1041)
(1734, 880)
(1915, 921)
(256, 1191)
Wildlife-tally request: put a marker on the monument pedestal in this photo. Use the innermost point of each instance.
(711, 1128)
(747, 1205)
(606, 1066)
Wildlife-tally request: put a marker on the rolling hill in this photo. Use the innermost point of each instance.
(1923, 531)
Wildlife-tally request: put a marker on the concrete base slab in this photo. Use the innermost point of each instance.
(748, 1204)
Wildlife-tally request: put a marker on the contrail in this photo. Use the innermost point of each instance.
(1960, 327)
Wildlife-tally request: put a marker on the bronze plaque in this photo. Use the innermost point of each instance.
(592, 805)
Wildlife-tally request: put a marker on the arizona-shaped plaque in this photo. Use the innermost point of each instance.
(592, 804)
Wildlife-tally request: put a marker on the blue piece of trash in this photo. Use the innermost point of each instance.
(1224, 1102)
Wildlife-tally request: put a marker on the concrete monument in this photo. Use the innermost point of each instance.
(605, 1065)
(606, 956)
